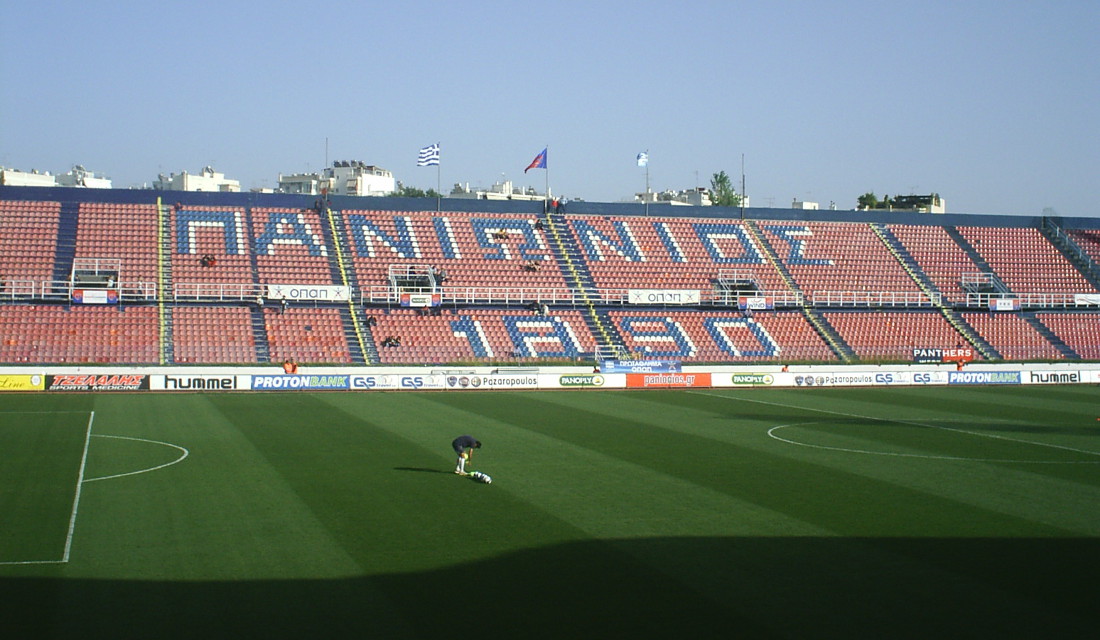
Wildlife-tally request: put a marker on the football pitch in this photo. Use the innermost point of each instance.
(798, 513)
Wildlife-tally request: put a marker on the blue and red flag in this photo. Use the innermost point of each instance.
(538, 163)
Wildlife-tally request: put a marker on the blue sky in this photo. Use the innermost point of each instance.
(992, 104)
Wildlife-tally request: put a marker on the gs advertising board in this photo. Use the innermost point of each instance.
(402, 382)
(907, 378)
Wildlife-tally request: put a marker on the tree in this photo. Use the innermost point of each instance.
(722, 193)
(868, 200)
(413, 192)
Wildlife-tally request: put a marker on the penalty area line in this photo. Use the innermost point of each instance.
(908, 422)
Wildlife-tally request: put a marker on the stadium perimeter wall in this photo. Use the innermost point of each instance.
(533, 208)
(642, 376)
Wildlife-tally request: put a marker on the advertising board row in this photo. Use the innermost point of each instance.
(417, 380)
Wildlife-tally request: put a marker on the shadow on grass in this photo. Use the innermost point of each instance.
(637, 588)
(422, 470)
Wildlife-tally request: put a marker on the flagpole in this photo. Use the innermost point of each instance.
(546, 161)
(438, 189)
(647, 182)
(742, 186)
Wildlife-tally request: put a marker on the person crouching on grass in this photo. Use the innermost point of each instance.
(464, 446)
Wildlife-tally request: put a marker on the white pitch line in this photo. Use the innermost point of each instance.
(79, 486)
(81, 480)
(908, 422)
(134, 473)
(40, 412)
(76, 498)
(771, 434)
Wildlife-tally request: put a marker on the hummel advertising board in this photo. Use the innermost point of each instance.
(200, 382)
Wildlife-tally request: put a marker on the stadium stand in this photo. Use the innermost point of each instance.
(717, 336)
(42, 334)
(290, 247)
(938, 256)
(220, 233)
(826, 258)
(28, 244)
(1079, 331)
(1012, 336)
(205, 334)
(124, 232)
(893, 335)
(472, 250)
(1089, 242)
(482, 335)
(667, 253)
(506, 283)
(307, 335)
(1025, 260)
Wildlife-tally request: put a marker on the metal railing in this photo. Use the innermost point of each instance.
(381, 294)
(875, 299)
(62, 290)
(1038, 300)
(215, 292)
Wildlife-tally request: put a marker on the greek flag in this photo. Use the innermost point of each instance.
(429, 156)
(643, 159)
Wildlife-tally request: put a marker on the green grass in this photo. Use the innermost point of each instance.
(916, 512)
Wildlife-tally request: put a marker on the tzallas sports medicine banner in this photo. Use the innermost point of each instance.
(97, 382)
